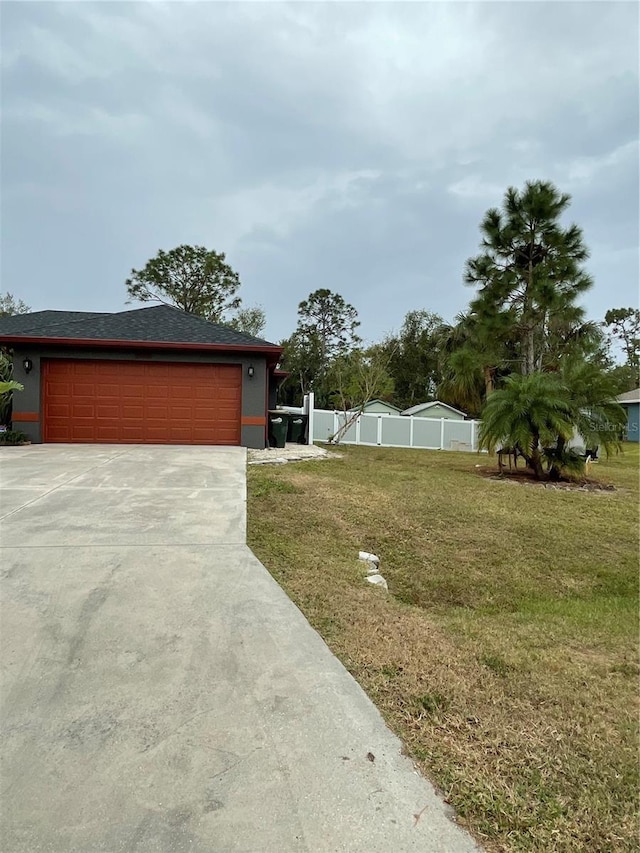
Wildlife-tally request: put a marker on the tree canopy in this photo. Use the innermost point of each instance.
(474, 355)
(529, 273)
(193, 278)
(326, 330)
(330, 322)
(249, 320)
(413, 356)
(355, 379)
(9, 305)
(523, 355)
(624, 326)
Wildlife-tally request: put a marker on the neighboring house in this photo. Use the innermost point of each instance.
(630, 401)
(152, 375)
(435, 409)
(380, 407)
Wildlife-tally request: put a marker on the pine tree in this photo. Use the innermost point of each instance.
(530, 271)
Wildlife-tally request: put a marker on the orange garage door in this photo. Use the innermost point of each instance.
(137, 402)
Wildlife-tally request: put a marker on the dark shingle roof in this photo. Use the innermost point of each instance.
(161, 323)
(19, 323)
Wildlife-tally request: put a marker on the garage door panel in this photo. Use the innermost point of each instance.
(200, 437)
(83, 368)
(134, 389)
(227, 378)
(225, 411)
(181, 435)
(131, 435)
(58, 433)
(157, 392)
(179, 413)
(104, 389)
(201, 393)
(82, 410)
(82, 432)
(156, 412)
(141, 402)
(201, 414)
(176, 404)
(132, 412)
(66, 369)
(59, 387)
(109, 412)
(156, 435)
(108, 435)
(99, 368)
(226, 395)
(57, 410)
(82, 389)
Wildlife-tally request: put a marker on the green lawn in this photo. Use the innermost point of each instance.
(505, 654)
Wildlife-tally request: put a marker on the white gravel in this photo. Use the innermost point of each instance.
(289, 453)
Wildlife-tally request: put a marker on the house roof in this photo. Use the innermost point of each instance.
(630, 396)
(384, 403)
(421, 407)
(158, 324)
(19, 323)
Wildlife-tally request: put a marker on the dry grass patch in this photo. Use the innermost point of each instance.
(505, 655)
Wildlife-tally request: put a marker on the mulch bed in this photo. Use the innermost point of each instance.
(524, 477)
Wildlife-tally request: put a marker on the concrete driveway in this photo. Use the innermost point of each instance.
(159, 690)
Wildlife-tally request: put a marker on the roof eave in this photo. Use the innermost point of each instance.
(273, 353)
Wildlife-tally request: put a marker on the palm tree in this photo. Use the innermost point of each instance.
(6, 395)
(596, 416)
(7, 387)
(531, 412)
(462, 382)
(474, 353)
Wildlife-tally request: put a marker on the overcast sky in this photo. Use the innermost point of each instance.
(350, 146)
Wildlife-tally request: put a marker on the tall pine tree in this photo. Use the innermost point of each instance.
(529, 272)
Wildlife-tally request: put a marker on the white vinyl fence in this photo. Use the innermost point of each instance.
(391, 430)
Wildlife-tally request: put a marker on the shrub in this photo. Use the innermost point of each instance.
(13, 437)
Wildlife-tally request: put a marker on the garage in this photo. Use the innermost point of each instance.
(155, 375)
(123, 402)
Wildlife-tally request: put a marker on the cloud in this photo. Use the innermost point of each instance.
(585, 170)
(91, 121)
(276, 210)
(344, 145)
(474, 187)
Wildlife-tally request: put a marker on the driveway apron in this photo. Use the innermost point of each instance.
(159, 690)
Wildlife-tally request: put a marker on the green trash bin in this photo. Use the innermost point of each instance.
(297, 429)
(278, 427)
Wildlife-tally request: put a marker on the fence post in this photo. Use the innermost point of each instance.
(441, 433)
(379, 436)
(411, 431)
(336, 422)
(310, 409)
(358, 430)
(473, 435)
